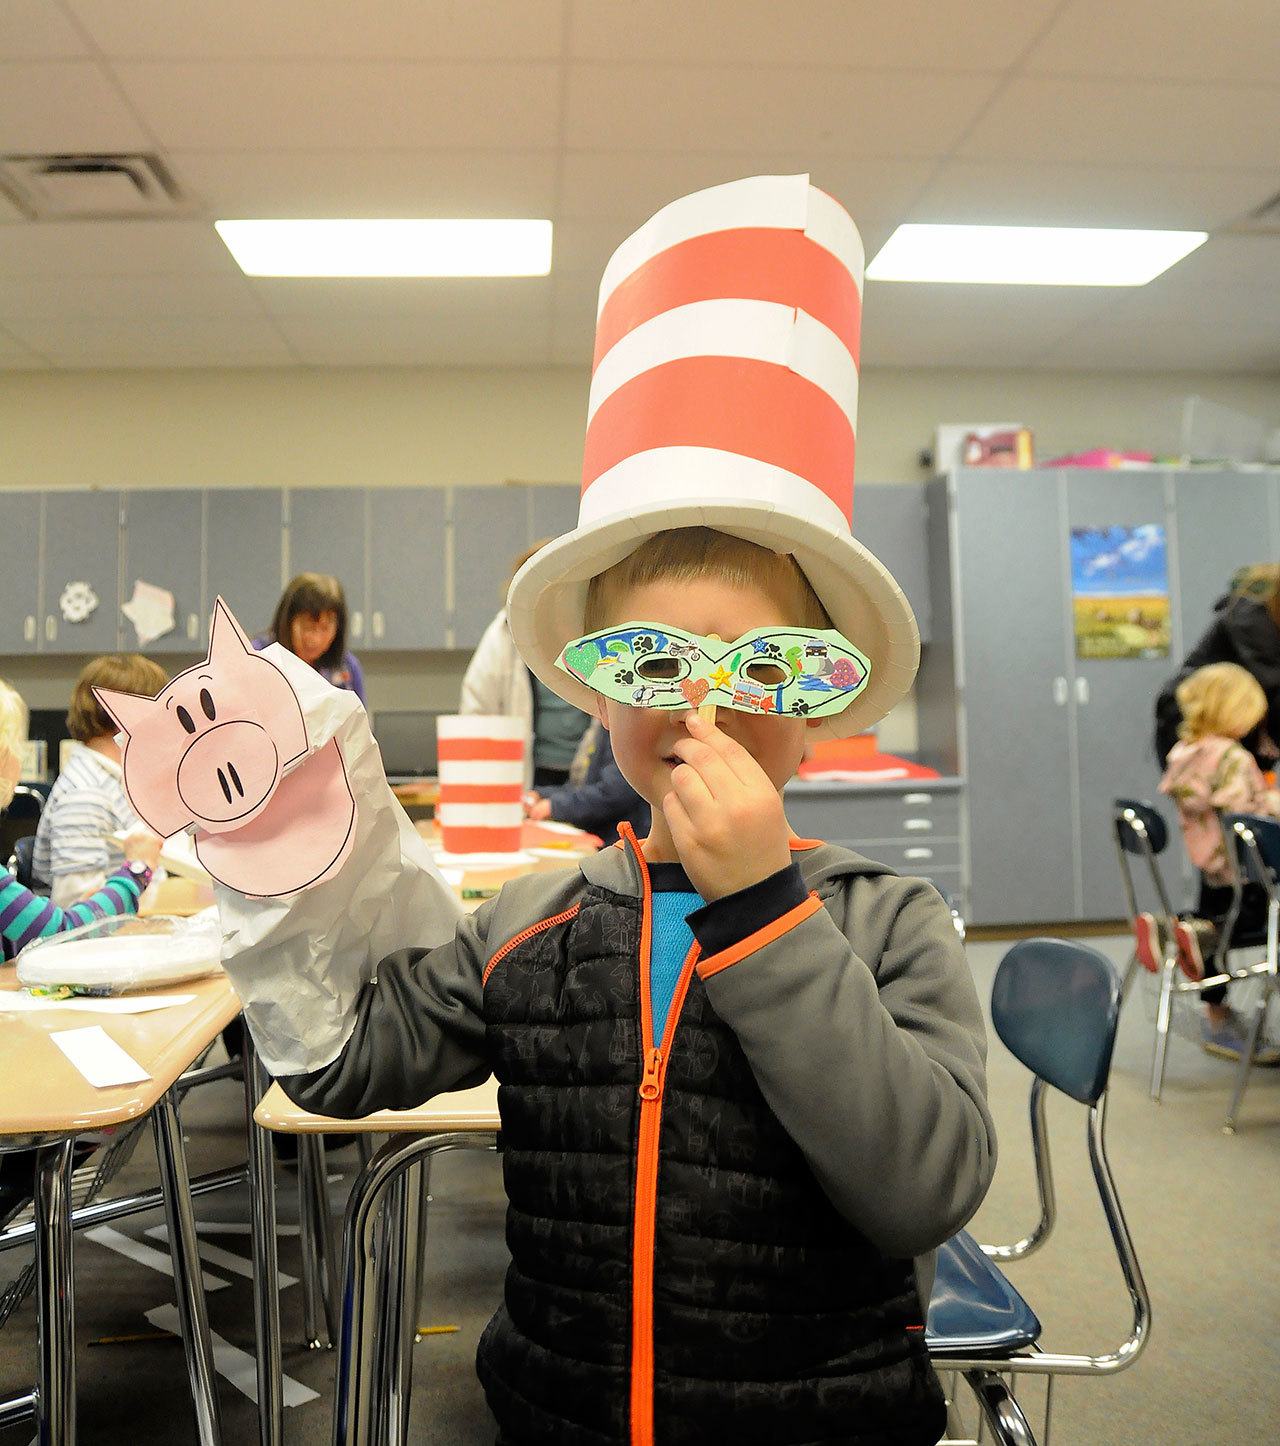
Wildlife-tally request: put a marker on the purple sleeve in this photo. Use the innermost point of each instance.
(352, 665)
(25, 916)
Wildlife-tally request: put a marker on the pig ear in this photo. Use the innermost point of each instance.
(129, 710)
(227, 641)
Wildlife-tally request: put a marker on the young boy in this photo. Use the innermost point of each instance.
(741, 1073)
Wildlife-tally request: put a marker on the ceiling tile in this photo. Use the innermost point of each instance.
(770, 112)
(429, 301)
(492, 340)
(64, 105)
(1111, 122)
(338, 29)
(1183, 39)
(969, 326)
(573, 330)
(176, 342)
(947, 34)
(113, 248)
(1010, 193)
(16, 357)
(361, 105)
(38, 30)
(369, 183)
(630, 186)
(138, 298)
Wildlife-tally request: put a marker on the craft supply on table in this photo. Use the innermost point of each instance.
(98, 1057)
(124, 953)
(18, 1001)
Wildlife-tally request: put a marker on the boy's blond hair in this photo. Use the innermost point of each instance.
(685, 554)
(13, 718)
(122, 673)
(1223, 700)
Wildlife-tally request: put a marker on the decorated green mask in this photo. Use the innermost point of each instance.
(788, 672)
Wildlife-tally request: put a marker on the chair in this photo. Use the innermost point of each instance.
(1253, 850)
(21, 864)
(1056, 1006)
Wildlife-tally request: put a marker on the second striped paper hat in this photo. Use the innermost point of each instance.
(724, 394)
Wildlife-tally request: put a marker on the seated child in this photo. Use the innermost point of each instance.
(596, 796)
(1209, 773)
(25, 915)
(74, 852)
(741, 1073)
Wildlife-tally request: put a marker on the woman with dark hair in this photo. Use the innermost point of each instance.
(1245, 630)
(311, 621)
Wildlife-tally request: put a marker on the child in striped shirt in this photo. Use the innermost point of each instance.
(25, 915)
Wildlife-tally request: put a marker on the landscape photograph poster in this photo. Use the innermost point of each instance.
(1120, 591)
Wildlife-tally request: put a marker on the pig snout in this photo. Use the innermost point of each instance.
(228, 772)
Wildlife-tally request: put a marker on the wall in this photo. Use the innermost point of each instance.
(403, 426)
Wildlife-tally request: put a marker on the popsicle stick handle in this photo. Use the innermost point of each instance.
(708, 710)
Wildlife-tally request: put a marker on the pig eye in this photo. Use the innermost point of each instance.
(185, 719)
(206, 702)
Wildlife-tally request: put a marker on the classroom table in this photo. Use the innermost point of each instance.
(378, 1324)
(45, 1102)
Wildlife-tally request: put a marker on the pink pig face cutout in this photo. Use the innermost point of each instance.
(212, 747)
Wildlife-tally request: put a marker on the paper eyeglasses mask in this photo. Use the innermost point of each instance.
(220, 748)
(787, 672)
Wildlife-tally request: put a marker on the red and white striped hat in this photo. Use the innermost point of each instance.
(724, 394)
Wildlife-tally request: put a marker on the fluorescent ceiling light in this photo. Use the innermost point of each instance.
(389, 248)
(1030, 255)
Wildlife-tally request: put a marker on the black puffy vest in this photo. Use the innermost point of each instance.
(772, 1319)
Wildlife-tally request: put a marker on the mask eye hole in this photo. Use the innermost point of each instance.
(185, 719)
(767, 674)
(206, 703)
(661, 668)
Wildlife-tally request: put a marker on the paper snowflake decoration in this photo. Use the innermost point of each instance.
(78, 600)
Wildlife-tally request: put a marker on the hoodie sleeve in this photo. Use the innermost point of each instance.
(1256, 641)
(863, 1029)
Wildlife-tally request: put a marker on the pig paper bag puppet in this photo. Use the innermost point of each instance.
(318, 872)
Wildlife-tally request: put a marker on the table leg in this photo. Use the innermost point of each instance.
(56, 1389)
(324, 1238)
(424, 1200)
(188, 1283)
(307, 1242)
(266, 1264)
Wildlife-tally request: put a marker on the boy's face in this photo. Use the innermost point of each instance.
(644, 737)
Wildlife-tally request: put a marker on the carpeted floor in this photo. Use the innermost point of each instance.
(1203, 1209)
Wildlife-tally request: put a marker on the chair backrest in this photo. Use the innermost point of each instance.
(1055, 1005)
(24, 851)
(1128, 812)
(1254, 842)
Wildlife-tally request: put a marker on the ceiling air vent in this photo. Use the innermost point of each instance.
(1264, 221)
(89, 187)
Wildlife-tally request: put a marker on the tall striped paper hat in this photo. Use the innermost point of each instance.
(724, 394)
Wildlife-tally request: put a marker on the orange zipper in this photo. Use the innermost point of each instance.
(521, 937)
(652, 1081)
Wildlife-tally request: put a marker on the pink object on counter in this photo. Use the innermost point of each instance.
(1099, 457)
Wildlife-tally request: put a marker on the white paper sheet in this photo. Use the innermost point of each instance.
(98, 1057)
(150, 610)
(19, 1002)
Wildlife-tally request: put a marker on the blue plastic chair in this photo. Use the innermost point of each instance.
(1253, 850)
(1056, 1006)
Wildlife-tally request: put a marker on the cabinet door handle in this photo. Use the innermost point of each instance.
(193, 626)
(917, 853)
(918, 825)
(29, 628)
(1060, 692)
(379, 626)
(50, 628)
(357, 625)
(917, 798)
(1082, 690)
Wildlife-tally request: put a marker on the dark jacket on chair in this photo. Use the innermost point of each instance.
(597, 797)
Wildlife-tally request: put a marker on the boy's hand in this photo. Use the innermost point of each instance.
(725, 816)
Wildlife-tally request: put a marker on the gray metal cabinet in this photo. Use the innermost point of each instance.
(889, 519)
(553, 511)
(243, 541)
(20, 619)
(327, 532)
(1113, 698)
(81, 545)
(1017, 738)
(490, 530)
(408, 542)
(162, 543)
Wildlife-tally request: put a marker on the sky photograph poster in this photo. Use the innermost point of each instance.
(1120, 591)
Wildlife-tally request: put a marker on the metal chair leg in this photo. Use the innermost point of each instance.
(424, 1201)
(327, 1279)
(56, 1389)
(307, 1243)
(188, 1282)
(1000, 1410)
(266, 1262)
(1163, 1014)
(1246, 1063)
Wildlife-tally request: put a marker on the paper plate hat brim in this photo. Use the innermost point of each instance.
(547, 599)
